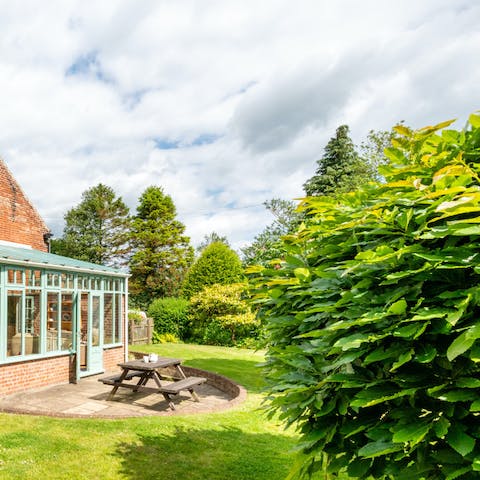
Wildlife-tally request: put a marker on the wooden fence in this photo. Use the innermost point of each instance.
(140, 332)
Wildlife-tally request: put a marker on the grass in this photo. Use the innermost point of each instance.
(238, 444)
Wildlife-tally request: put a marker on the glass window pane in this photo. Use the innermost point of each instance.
(33, 278)
(118, 317)
(53, 321)
(108, 313)
(32, 321)
(66, 321)
(53, 279)
(14, 323)
(15, 276)
(95, 321)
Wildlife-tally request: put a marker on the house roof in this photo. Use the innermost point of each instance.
(28, 257)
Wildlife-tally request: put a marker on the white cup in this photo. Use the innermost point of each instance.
(145, 358)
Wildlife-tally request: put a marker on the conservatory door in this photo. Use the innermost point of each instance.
(91, 329)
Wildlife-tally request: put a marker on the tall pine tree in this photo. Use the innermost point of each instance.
(96, 230)
(162, 253)
(340, 169)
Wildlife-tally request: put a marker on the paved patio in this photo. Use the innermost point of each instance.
(88, 398)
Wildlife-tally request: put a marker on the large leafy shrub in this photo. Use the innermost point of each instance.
(217, 264)
(219, 316)
(373, 319)
(170, 315)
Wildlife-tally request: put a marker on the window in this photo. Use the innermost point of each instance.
(118, 320)
(108, 318)
(33, 278)
(15, 276)
(53, 280)
(14, 323)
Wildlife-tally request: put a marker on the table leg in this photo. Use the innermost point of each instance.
(166, 396)
(120, 380)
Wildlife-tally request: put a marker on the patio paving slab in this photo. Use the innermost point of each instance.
(88, 398)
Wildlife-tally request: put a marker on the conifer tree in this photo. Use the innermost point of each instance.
(340, 169)
(162, 253)
(96, 230)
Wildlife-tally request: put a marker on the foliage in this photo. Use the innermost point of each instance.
(136, 316)
(96, 230)
(373, 318)
(219, 315)
(211, 238)
(372, 150)
(217, 264)
(340, 169)
(162, 253)
(267, 245)
(170, 315)
(164, 338)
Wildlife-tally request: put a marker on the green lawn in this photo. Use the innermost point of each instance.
(238, 444)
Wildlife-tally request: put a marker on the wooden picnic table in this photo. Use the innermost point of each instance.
(146, 371)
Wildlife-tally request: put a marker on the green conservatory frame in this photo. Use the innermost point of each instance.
(52, 305)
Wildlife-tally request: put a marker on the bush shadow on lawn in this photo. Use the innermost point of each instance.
(225, 454)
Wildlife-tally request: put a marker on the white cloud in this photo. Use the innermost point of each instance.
(247, 92)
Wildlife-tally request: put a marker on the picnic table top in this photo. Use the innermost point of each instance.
(161, 362)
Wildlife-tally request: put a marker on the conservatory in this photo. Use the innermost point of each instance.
(60, 318)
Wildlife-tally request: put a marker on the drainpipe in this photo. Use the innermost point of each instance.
(46, 238)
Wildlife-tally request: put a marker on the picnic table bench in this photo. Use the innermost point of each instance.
(152, 371)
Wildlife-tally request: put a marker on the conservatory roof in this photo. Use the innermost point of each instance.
(28, 257)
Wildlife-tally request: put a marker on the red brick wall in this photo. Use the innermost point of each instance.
(19, 221)
(112, 357)
(17, 377)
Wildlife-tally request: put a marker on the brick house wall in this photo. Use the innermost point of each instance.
(21, 376)
(19, 221)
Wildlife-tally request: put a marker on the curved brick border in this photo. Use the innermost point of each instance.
(237, 392)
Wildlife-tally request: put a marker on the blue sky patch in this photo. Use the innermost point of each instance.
(164, 144)
(88, 65)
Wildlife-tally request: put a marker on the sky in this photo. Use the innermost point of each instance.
(224, 104)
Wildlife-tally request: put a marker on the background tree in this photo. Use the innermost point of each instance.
(340, 169)
(162, 253)
(218, 264)
(97, 229)
(372, 150)
(267, 245)
(211, 238)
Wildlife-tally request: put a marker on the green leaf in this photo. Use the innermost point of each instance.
(352, 341)
(302, 274)
(398, 308)
(460, 441)
(441, 427)
(457, 473)
(413, 433)
(476, 464)
(457, 396)
(379, 394)
(358, 468)
(402, 359)
(474, 120)
(425, 353)
(376, 449)
(463, 342)
(467, 382)
(475, 406)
